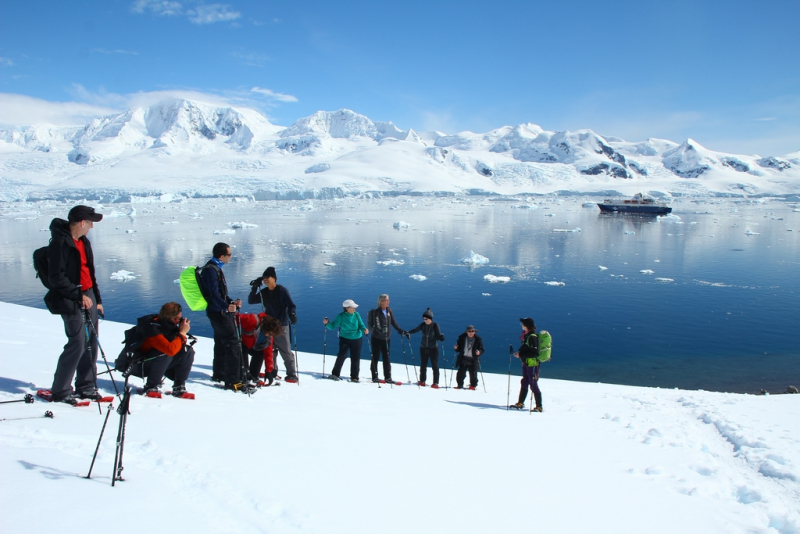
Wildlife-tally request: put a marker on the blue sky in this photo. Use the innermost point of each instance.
(726, 74)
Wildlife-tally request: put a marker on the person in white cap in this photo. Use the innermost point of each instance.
(351, 332)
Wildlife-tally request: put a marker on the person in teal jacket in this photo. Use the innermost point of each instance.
(351, 332)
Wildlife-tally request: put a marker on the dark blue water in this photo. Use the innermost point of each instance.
(725, 319)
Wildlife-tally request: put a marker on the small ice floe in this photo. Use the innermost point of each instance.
(475, 259)
(647, 271)
(418, 277)
(220, 232)
(330, 264)
(241, 224)
(656, 261)
(630, 232)
(122, 276)
(665, 279)
(486, 294)
(602, 267)
(574, 230)
(391, 262)
(555, 284)
(195, 216)
(177, 281)
(617, 275)
(492, 279)
(589, 204)
(750, 232)
(549, 214)
(169, 222)
(401, 224)
(130, 231)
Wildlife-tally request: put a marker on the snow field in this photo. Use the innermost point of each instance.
(339, 457)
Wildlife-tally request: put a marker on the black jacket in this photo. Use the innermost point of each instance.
(276, 303)
(529, 348)
(430, 334)
(379, 325)
(476, 347)
(65, 270)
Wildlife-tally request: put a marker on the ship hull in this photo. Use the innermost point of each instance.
(634, 208)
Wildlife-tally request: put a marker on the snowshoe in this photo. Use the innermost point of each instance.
(472, 388)
(517, 406)
(334, 378)
(354, 380)
(180, 392)
(537, 409)
(434, 386)
(392, 382)
(421, 384)
(71, 399)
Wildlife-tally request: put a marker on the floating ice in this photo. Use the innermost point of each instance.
(391, 262)
(602, 267)
(492, 279)
(122, 275)
(589, 204)
(475, 259)
(665, 279)
(486, 294)
(330, 264)
(402, 224)
(574, 230)
(177, 281)
(750, 232)
(130, 231)
(169, 222)
(555, 284)
(418, 277)
(241, 224)
(630, 232)
(220, 232)
(646, 271)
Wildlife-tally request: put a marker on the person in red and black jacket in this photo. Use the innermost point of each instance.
(257, 343)
(164, 351)
(74, 293)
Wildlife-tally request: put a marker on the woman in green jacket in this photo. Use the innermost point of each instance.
(351, 329)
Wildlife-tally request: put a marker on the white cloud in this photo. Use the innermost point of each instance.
(765, 119)
(159, 7)
(280, 97)
(22, 110)
(6, 62)
(211, 13)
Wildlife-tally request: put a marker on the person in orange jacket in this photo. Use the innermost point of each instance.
(258, 332)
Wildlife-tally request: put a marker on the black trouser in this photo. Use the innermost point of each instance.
(256, 359)
(227, 363)
(79, 358)
(380, 347)
(176, 368)
(433, 355)
(470, 365)
(353, 346)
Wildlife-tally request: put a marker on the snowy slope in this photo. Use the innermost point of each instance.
(192, 148)
(329, 457)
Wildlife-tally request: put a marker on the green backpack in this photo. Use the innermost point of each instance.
(545, 346)
(190, 289)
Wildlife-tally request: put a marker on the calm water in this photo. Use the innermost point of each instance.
(727, 321)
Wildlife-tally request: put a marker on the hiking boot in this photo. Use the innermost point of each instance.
(177, 391)
(375, 380)
(434, 386)
(421, 384)
(292, 379)
(241, 387)
(90, 394)
(458, 387)
(217, 378)
(331, 377)
(517, 406)
(72, 399)
(354, 380)
(538, 409)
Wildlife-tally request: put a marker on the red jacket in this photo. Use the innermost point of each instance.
(249, 323)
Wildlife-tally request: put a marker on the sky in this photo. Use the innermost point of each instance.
(724, 73)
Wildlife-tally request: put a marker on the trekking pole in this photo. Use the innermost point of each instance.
(324, 346)
(102, 431)
(102, 352)
(88, 348)
(243, 367)
(411, 350)
(293, 333)
(508, 391)
(408, 375)
(444, 364)
(482, 378)
(369, 342)
(120, 448)
(28, 399)
(455, 359)
(47, 415)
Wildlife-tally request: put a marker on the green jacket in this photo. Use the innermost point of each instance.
(350, 325)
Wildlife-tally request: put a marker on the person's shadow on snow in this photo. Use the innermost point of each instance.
(480, 405)
(10, 385)
(48, 472)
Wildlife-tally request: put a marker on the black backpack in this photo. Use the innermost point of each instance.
(42, 266)
(128, 357)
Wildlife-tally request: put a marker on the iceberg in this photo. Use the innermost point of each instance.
(475, 259)
(492, 279)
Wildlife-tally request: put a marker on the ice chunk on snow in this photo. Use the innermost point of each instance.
(555, 284)
(391, 262)
(402, 224)
(122, 275)
(418, 277)
(492, 279)
(241, 224)
(475, 259)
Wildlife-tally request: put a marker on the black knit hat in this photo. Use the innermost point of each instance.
(428, 313)
(528, 322)
(270, 273)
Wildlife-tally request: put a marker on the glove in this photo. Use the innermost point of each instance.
(293, 318)
(406, 334)
(255, 282)
(441, 338)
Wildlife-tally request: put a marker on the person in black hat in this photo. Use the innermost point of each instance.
(469, 348)
(276, 302)
(528, 352)
(428, 349)
(74, 294)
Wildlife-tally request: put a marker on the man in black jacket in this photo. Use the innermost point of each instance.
(469, 348)
(75, 296)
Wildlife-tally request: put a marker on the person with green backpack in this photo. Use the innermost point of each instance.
(530, 356)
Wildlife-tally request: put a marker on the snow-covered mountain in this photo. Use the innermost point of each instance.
(192, 148)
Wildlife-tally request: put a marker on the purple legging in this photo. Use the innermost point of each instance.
(530, 377)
